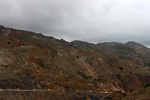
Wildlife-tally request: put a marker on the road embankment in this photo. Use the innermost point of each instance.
(49, 95)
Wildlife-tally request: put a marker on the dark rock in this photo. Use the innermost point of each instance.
(79, 45)
(2, 27)
(133, 43)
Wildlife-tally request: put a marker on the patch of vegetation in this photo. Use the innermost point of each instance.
(86, 77)
(95, 84)
(118, 76)
(102, 80)
(130, 73)
(147, 85)
(123, 93)
(77, 56)
(99, 80)
(121, 68)
(81, 74)
(9, 42)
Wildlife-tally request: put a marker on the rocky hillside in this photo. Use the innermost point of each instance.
(33, 61)
(143, 94)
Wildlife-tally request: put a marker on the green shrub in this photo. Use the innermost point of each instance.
(86, 77)
(123, 93)
(121, 68)
(77, 56)
(147, 85)
(130, 73)
(118, 76)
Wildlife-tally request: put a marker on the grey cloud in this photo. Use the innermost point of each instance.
(89, 20)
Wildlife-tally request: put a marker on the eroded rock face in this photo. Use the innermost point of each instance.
(5, 57)
(39, 62)
(5, 32)
(36, 52)
(5, 61)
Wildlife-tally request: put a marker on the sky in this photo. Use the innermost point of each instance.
(87, 20)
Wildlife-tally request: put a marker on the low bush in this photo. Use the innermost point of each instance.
(147, 85)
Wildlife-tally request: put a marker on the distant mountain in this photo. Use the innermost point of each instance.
(133, 43)
(111, 43)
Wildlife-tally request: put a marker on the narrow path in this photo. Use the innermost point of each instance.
(50, 90)
(59, 91)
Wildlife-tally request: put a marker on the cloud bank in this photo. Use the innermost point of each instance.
(88, 20)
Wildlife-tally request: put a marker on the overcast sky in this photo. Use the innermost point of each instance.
(87, 20)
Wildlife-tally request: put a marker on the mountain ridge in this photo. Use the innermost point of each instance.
(109, 43)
